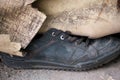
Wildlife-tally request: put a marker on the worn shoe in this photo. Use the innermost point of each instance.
(59, 50)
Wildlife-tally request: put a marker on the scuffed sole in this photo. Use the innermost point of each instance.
(94, 64)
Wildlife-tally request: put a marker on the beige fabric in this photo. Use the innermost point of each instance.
(20, 20)
(92, 18)
(52, 7)
(9, 47)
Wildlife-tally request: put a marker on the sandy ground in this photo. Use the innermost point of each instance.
(110, 71)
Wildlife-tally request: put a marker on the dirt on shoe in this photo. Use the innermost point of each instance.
(58, 50)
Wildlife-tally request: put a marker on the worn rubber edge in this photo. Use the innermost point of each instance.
(86, 67)
(72, 69)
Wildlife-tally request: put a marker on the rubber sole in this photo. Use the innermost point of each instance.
(93, 64)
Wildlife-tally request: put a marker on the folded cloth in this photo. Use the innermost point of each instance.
(92, 18)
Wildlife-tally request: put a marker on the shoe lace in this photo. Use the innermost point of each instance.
(72, 38)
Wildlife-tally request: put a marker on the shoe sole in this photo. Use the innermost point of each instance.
(93, 64)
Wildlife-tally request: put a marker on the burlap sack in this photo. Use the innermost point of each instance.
(20, 20)
(80, 16)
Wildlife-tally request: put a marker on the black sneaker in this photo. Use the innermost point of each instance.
(60, 51)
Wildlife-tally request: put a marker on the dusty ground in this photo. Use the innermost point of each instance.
(110, 71)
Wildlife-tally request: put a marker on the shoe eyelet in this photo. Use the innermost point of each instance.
(61, 37)
(53, 34)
